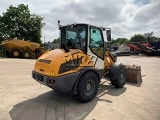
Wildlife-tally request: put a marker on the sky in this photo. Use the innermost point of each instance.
(125, 17)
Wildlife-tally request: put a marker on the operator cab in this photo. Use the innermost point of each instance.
(87, 38)
(82, 36)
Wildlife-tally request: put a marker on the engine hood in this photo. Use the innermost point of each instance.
(58, 62)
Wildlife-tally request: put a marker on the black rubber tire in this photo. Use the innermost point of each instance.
(6, 52)
(14, 52)
(88, 79)
(26, 54)
(37, 55)
(121, 78)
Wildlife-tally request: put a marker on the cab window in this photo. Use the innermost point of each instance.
(72, 40)
(96, 42)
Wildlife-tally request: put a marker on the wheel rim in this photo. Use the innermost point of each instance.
(89, 87)
(16, 53)
(122, 77)
(26, 54)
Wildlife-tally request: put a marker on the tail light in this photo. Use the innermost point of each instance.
(51, 81)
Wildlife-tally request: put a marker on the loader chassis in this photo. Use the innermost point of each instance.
(65, 83)
(81, 62)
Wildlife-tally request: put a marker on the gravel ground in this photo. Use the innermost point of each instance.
(22, 98)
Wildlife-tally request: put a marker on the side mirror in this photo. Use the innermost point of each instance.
(108, 33)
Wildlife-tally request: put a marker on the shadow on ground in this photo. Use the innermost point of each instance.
(134, 84)
(56, 106)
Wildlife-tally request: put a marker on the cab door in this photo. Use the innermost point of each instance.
(96, 46)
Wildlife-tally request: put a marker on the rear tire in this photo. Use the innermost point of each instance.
(87, 87)
(26, 54)
(121, 78)
(6, 52)
(15, 53)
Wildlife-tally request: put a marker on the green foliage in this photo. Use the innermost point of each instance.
(138, 38)
(155, 38)
(1, 52)
(119, 41)
(56, 40)
(150, 36)
(18, 22)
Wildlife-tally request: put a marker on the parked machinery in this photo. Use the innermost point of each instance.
(79, 64)
(16, 48)
(147, 48)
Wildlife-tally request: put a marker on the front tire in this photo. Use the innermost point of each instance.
(87, 87)
(121, 78)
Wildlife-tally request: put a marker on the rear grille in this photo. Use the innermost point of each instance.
(38, 77)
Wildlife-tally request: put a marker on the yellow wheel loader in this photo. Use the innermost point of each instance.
(16, 48)
(78, 66)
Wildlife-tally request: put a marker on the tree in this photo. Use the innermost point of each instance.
(18, 22)
(138, 38)
(155, 38)
(56, 40)
(150, 36)
(119, 41)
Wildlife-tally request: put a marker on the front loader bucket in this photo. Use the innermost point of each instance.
(133, 74)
